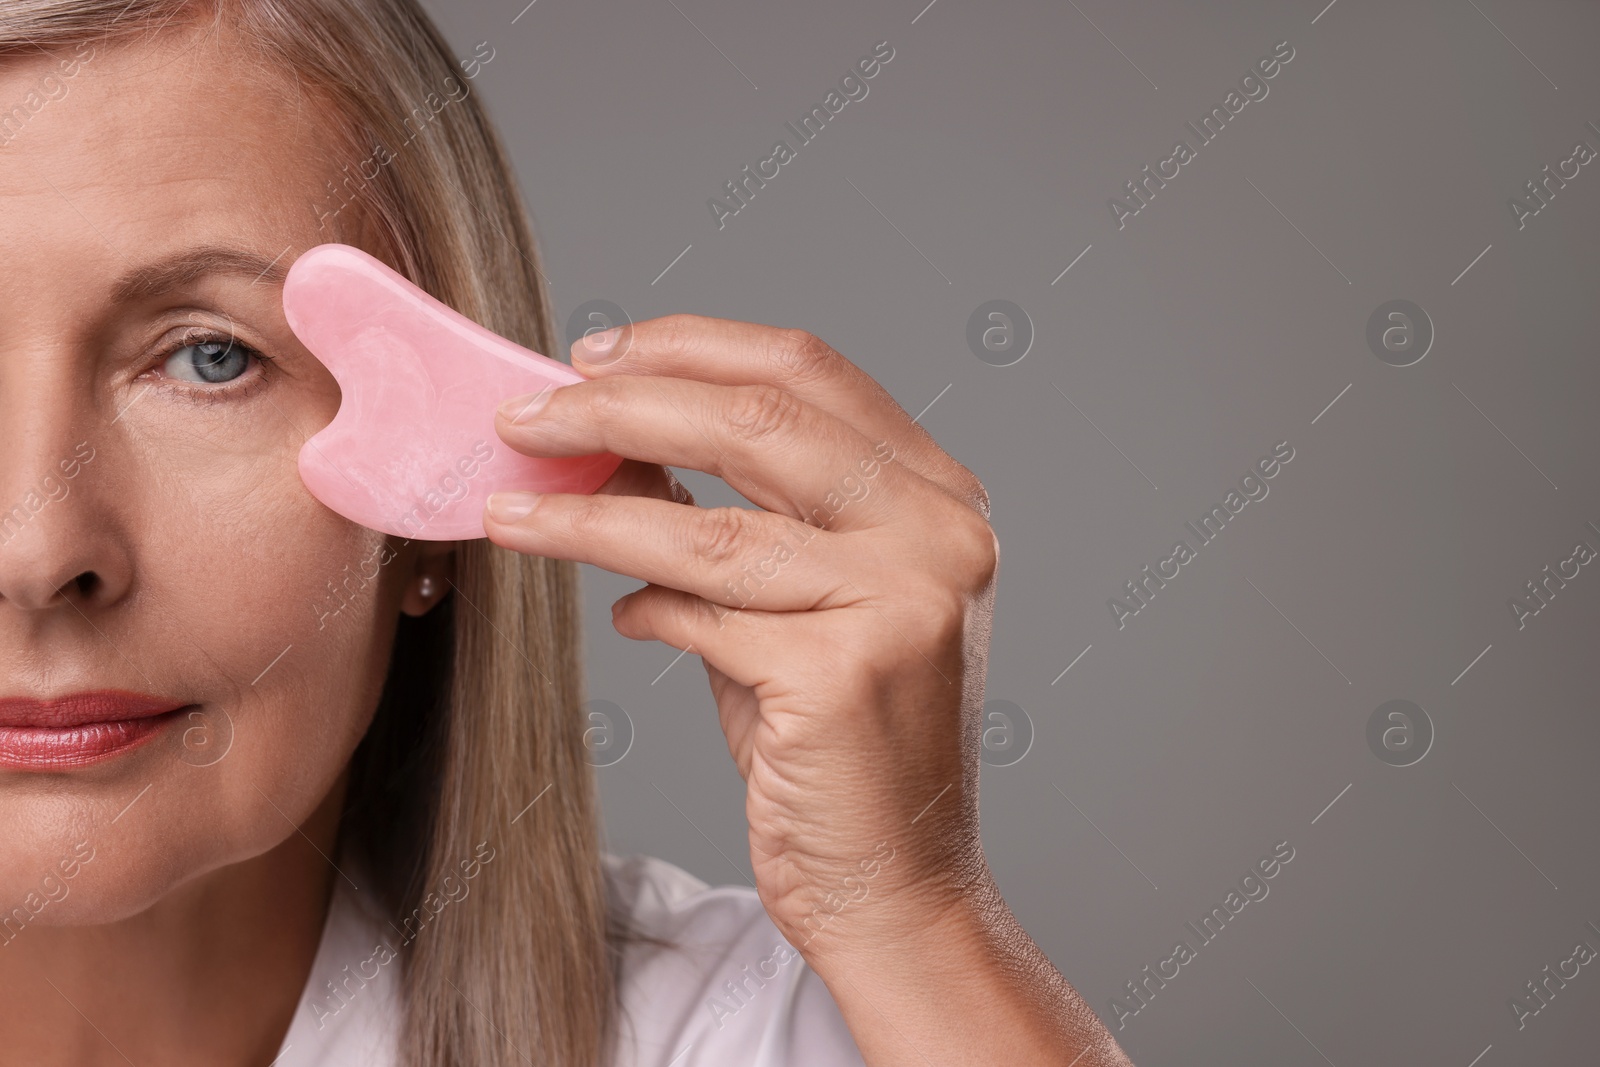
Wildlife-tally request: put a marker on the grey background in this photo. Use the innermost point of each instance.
(1195, 339)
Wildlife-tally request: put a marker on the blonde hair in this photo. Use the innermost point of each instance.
(480, 710)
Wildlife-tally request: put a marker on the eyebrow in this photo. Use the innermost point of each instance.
(175, 271)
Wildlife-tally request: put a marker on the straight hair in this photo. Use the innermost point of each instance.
(478, 736)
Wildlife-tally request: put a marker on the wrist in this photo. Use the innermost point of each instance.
(911, 917)
(956, 979)
(907, 897)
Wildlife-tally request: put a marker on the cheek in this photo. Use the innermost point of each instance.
(274, 615)
(294, 616)
(271, 589)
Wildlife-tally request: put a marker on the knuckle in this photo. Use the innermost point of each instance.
(585, 519)
(718, 535)
(799, 355)
(977, 496)
(965, 487)
(760, 411)
(974, 549)
(987, 565)
(606, 400)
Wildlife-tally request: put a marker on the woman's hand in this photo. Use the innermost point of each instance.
(844, 627)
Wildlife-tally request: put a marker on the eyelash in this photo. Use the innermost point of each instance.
(213, 394)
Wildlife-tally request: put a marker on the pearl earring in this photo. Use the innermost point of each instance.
(426, 587)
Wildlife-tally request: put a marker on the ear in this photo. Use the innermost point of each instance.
(432, 577)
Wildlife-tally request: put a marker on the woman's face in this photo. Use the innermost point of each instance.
(155, 538)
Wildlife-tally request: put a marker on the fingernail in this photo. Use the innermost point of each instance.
(525, 408)
(597, 347)
(509, 507)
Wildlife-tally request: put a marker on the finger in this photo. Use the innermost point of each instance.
(637, 615)
(750, 647)
(781, 453)
(745, 353)
(731, 556)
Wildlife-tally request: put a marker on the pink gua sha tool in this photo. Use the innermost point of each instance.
(413, 450)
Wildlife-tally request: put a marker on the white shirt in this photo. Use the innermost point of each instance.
(733, 992)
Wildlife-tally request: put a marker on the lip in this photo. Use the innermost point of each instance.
(79, 729)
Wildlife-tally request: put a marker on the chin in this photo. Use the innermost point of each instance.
(108, 841)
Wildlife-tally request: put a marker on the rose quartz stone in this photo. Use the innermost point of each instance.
(413, 451)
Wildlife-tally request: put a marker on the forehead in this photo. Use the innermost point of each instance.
(158, 143)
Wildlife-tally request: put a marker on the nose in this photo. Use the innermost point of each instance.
(58, 549)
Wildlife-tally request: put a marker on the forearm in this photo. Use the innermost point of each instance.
(965, 985)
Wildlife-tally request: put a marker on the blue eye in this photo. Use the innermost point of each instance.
(209, 362)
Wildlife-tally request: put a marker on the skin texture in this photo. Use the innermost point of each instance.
(200, 910)
(187, 560)
(844, 628)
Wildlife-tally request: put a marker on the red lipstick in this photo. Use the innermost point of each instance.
(78, 729)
